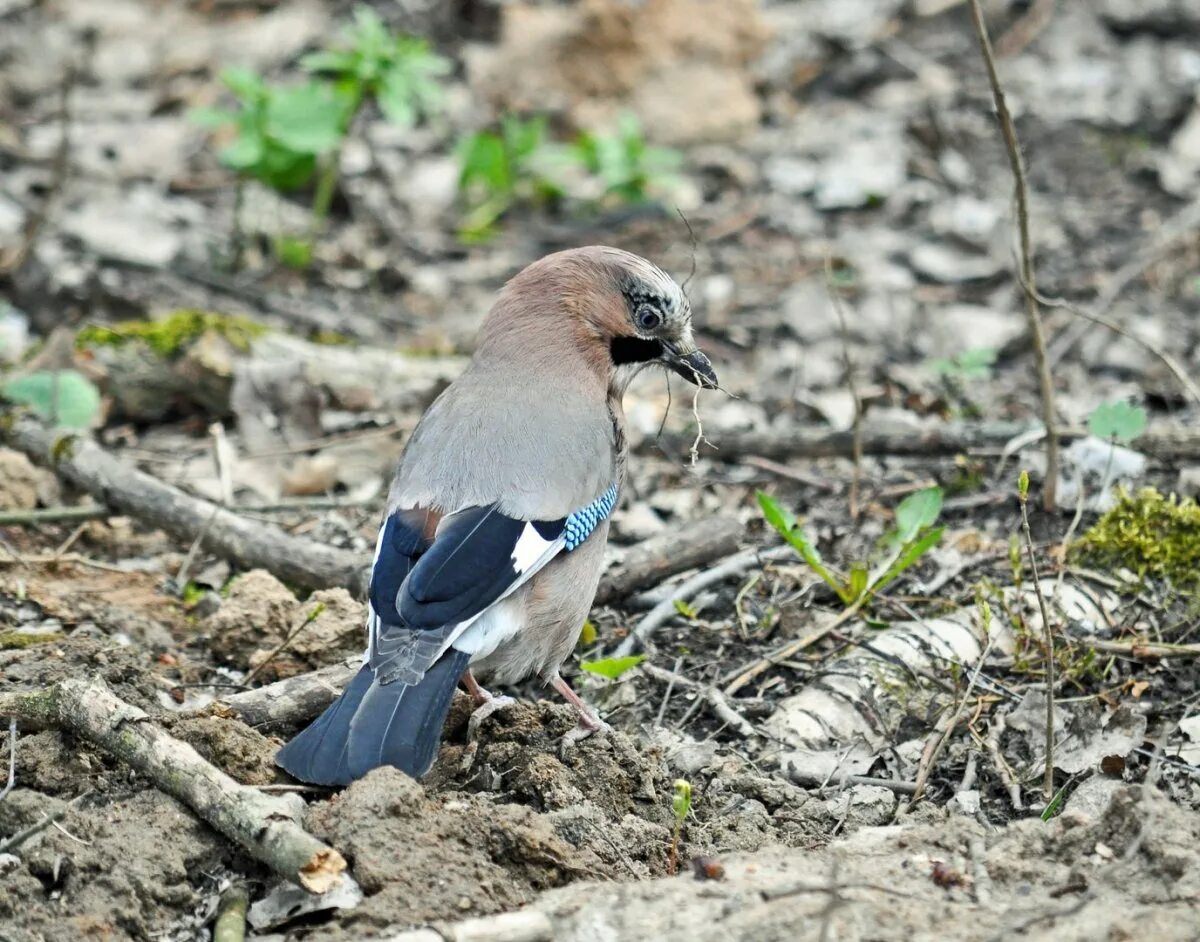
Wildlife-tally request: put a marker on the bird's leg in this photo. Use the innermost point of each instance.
(485, 704)
(589, 723)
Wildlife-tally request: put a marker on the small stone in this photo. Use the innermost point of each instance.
(1189, 481)
(945, 265)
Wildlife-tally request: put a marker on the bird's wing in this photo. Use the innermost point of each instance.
(427, 588)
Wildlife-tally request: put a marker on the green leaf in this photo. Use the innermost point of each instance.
(293, 252)
(212, 117)
(785, 523)
(1054, 804)
(687, 611)
(612, 667)
(330, 62)
(681, 799)
(307, 119)
(909, 554)
(858, 582)
(244, 152)
(65, 398)
(1117, 421)
(587, 634)
(915, 513)
(246, 84)
(977, 362)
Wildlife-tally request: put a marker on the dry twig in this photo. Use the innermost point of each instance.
(263, 825)
(710, 694)
(1028, 281)
(1047, 636)
(664, 610)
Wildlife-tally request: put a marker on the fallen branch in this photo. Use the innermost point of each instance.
(40, 515)
(264, 825)
(720, 704)
(292, 701)
(664, 610)
(950, 438)
(524, 925)
(247, 543)
(688, 546)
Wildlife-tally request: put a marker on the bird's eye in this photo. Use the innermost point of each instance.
(648, 318)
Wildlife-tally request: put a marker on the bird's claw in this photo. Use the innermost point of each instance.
(483, 711)
(587, 727)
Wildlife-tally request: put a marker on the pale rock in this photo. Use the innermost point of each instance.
(942, 263)
(791, 175)
(1189, 481)
(949, 330)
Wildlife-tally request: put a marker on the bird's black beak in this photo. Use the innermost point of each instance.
(689, 363)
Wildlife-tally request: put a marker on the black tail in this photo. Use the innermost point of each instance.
(374, 724)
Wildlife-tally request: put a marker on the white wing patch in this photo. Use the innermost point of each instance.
(530, 548)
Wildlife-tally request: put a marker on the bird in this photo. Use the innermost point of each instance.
(492, 543)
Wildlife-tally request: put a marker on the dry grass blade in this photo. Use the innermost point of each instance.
(1028, 281)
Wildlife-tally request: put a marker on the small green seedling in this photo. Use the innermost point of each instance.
(975, 363)
(64, 398)
(286, 136)
(278, 131)
(630, 169)
(1117, 421)
(681, 805)
(500, 169)
(913, 536)
(400, 72)
(519, 164)
(612, 667)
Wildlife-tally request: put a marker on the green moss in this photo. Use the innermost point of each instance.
(169, 335)
(63, 449)
(1148, 534)
(10, 640)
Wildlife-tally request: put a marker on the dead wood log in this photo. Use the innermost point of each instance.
(264, 825)
(294, 700)
(247, 543)
(950, 438)
(693, 544)
(251, 544)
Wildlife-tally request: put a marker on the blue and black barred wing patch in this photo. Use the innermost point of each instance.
(427, 598)
(479, 556)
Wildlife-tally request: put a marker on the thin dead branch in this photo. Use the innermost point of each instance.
(247, 543)
(856, 429)
(263, 825)
(948, 438)
(1047, 640)
(711, 695)
(664, 610)
(685, 547)
(1028, 280)
(293, 701)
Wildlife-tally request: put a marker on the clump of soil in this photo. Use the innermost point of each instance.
(261, 612)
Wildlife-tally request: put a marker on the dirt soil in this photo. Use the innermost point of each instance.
(848, 243)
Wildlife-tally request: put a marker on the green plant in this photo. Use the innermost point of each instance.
(975, 363)
(278, 131)
(1117, 421)
(629, 169)
(681, 806)
(64, 398)
(913, 535)
(1148, 534)
(518, 163)
(612, 667)
(287, 135)
(400, 72)
(502, 168)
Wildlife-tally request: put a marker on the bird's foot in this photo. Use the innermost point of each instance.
(489, 706)
(589, 724)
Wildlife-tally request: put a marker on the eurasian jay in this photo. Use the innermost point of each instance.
(493, 544)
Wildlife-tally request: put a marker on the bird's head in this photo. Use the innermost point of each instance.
(621, 311)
